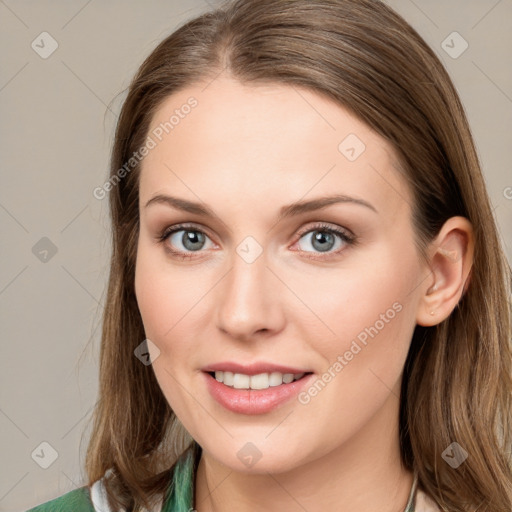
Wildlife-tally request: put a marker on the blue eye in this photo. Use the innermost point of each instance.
(184, 240)
(191, 239)
(323, 239)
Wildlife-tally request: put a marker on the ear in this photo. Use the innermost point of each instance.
(450, 258)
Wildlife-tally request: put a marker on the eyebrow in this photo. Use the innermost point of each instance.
(296, 208)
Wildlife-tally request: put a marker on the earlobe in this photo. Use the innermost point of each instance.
(450, 262)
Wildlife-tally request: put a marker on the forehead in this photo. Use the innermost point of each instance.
(272, 141)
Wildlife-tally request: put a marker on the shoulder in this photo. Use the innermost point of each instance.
(77, 500)
(94, 499)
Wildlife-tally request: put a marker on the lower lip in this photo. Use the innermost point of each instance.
(254, 401)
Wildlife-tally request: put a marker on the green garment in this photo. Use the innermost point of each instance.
(179, 497)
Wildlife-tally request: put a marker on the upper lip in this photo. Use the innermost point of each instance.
(253, 368)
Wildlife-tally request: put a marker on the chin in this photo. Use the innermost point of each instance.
(253, 457)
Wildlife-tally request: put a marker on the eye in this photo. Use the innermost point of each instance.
(324, 238)
(183, 240)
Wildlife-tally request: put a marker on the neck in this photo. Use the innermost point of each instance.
(363, 474)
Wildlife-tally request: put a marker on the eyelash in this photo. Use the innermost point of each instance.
(348, 238)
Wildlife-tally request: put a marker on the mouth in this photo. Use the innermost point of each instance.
(258, 393)
(260, 381)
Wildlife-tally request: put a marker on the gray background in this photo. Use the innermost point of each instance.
(57, 120)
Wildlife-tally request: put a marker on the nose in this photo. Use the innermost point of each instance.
(248, 300)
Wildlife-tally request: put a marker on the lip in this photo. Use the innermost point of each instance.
(254, 401)
(253, 368)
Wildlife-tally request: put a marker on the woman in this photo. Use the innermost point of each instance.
(308, 302)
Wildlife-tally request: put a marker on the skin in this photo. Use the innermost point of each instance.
(246, 151)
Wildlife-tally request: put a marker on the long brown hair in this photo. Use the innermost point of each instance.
(457, 381)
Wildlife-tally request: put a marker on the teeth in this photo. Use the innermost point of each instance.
(260, 381)
(275, 379)
(241, 381)
(228, 378)
(287, 378)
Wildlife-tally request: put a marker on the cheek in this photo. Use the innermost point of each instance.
(373, 318)
(164, 295)
(367, 317)
(351, 299)
(165, 300)
(152, 299)
(161, 307)
(173, 304)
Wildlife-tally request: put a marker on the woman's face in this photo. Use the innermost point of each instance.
(275, 274)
